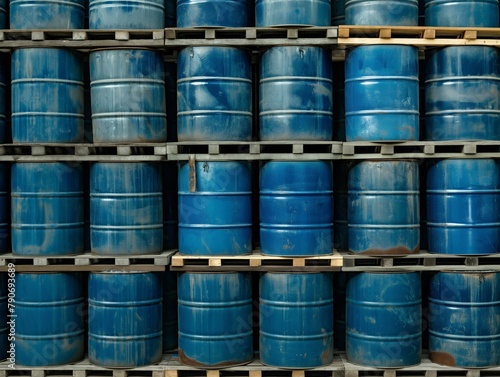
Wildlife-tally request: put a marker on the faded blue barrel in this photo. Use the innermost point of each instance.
(5, 244)
(130, 14)
(215, 208)
(127, 89)
(126, 208)
(296, 94)
(171, 99)
(381, 93)
(4, 327)
(214, 100)
(49, 322)
(212, 13)
(463, 206)
(47, 96)
(386, 12)
(170, 207)
(464, 325)
(383, 319)
(463, 93)
(47, 208)
(169, 311)
(338, 101)
(338, 12)
(461, 13)
(292, 12)
(296, 319)
(383, 208)
(296, 208)
(45, 14)
(340, 223)
(215, 319)
(340, 284)
(125, 318)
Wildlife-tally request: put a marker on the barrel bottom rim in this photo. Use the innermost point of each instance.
(386, 367)
(120, 255)
(295, 368)
(185, 360)
(284, 255)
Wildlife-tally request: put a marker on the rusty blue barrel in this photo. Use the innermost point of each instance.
(383, 319)
(381, 93)
(383, 208)
(4, 327)
(464, 307)
(340, 207)
(295, 94)
(170, 207)
(47, 96)
(215, 208)
(131, 14)
(47, 208)
(170, 320)
(126, 208)
(386, 12)
(338, 12)
(296, 319)
(212, 13)
(461, 13)
(296, 208)
(125, 318)
(292, 12)
(35, 14)
(215, 94)
(215, 319)
(339, 297)
(462, 86)
(127, 91)
(463, 206)
(4, 208)
(49, 322)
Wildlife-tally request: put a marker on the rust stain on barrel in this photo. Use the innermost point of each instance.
(193, 363)
(394, 251)
(443, 358)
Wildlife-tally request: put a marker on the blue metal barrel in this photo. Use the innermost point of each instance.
(170, 318)
(47, 96)
(215, 94)
(461, 13)
(296, 94)
(5, 243)
(381, 93)
(340, 208)
(338, 101)
(127, 90)
(125, 318)
(463, 206)
(215, 319)
(296, 208)
(386, 12)
(464, 329)
(215, 208)
(47, 208)
(126, 208)
(296, 319)
(383, 319)
(462, 86)
(212, 13)
(49, 322)
(338, 12)
(4, 327)
(383, 208)
(130, 14)
(170, 207)
(171, 99)
(292, 12)
(46, 14)
(340, 284)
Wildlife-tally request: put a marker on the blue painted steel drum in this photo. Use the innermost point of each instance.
(170, 320)
(4, 5)
(383, 208)
(463, 93)
(49, 322)
(340, 208)
(463, 206)
(295, 94)
(296, 319)
(4, 327)
(170, 207)
(171, 99)
(212, 13)
(338, 12)
(127, 90)
(340, 284)
(215, 216)
(126, 208)
(47, 96)
(47, 208)
(296, 208)
(383, 319)
(214, 100)
(381, 93)
(5, 244)
(125, 318)
(461, 13)
(464, 330)
(130, 14)
(215, 319)
(292, 12)
(44, 14)
(338, 101)
(387, 12)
